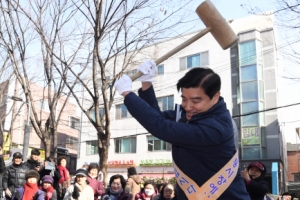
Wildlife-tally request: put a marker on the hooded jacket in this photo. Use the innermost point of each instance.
(200, 148)
(258, 187)
(133, 185)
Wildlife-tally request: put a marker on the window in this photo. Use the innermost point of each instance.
(125, 145)
(122, 112)
(72, 142)
(44, 106)
(160, 69)
(296, 177)
(249, 91)
(251, 153)
(91, 147)
(166, 103)
(248, 73)
(247, 53)
(250, 120)
(196, 60)
(155, 144)
(74, 122)
(93, 116)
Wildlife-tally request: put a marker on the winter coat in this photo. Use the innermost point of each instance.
(123, 196)
(142, 196)
(31, 164)
(97, 186)
(133, 185)
(258, 187)
(84, 194)
(20, 192)
(14, 177)
(2, 164)
(200, 148)
(160, 197)
(54, 195)
(43, 172)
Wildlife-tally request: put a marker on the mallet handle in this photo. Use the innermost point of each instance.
(175, 50)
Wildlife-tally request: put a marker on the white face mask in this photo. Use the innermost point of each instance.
(149, 192)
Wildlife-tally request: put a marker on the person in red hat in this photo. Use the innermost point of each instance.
(253, 176)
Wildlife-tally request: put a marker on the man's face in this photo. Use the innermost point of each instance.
(18, 161)
(194, 101)
(34, 157)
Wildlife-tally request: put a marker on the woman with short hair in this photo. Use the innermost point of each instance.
(116, 190)
(64, 181)
(95, 180)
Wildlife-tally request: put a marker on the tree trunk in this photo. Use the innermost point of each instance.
(103, 153)
(47, 147)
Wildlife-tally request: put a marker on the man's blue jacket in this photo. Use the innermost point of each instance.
(200, 148)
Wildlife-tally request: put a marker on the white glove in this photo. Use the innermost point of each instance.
(123, 84)
(148, 68)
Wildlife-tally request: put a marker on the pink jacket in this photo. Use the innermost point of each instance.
(97, 186)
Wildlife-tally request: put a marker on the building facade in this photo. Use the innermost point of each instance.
(248, 74)
(14, 117)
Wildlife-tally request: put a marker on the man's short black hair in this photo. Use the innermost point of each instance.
(35, 151)
(202, 77)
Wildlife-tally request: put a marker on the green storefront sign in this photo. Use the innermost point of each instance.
(155, 162)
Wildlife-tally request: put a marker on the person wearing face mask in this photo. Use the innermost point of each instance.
(148, 192)
(95, 181)
(253, 176)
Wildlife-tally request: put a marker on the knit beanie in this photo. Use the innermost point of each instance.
(47, 179)
(131, 171)
(32, 173)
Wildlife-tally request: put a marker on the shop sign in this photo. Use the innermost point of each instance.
(155, 162)
(250, 136)
(120, 163)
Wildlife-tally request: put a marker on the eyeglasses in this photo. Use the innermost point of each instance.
(168, 191)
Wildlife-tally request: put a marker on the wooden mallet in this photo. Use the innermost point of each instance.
(215, 24)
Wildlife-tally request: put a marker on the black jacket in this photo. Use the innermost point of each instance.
(31, 164)
(14, 177)
(2, 165)
(258, 187)
(160, 197)
(56, 176)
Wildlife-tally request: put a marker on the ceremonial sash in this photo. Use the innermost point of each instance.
(214, 187)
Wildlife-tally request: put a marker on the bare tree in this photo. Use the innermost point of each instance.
(92, 42)
(20, 38)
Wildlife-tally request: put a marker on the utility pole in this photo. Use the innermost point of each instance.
(27, 127)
